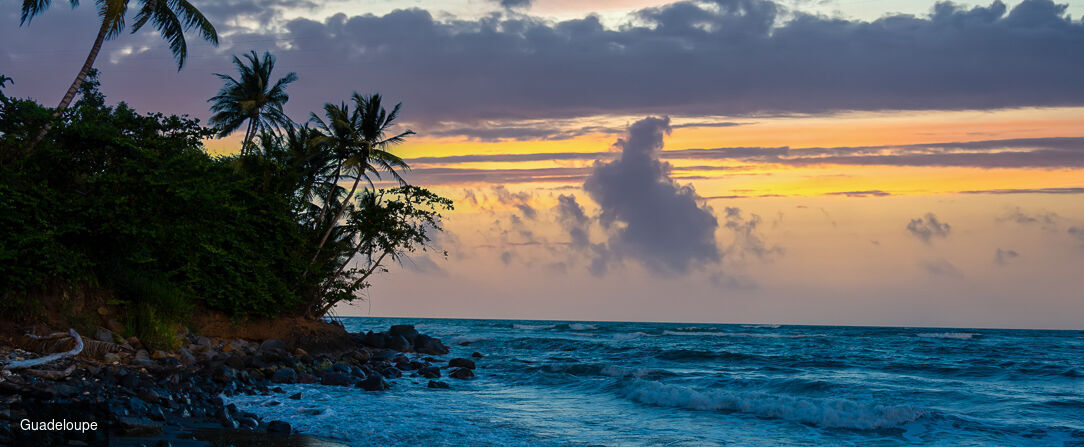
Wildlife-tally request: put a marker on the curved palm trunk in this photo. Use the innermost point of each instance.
(248, 136)
(67, 99)
(338, 214)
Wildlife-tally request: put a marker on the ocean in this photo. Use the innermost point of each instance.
(674, 384)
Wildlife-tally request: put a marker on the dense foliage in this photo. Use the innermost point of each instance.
(134, 203)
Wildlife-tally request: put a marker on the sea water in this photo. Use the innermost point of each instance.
(610, 383)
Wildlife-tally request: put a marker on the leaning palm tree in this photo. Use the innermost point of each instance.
(251, 98)
(170, 17)
(360, 141)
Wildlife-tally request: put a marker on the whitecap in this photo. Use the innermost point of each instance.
(629, 336)
(582, 327)
(954, 335)
(533, 326)
(829, 412)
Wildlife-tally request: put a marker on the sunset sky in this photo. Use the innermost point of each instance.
(892, 162)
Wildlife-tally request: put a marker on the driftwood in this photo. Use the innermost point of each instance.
(22, 364)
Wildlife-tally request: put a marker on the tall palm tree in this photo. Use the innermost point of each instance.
(359, 139)
(252, 98)
(170, 17)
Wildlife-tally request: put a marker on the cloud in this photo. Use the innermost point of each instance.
(928, 227)
(866, 193)
(1076, 190)
(1047, 220)
(747, 239)
(1078, 233)
(573, 219)
(940, 267)
(718, 58)
(513, 4)
(1002, 257)
(650, 217)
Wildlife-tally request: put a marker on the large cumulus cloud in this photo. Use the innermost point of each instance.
(719, 57)
(651, 217)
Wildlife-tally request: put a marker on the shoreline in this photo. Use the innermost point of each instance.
(152, 397)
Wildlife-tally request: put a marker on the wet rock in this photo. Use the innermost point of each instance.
(461, 373)
(375, 340)
(296, 396)
(248, 422)
(111, 358)
(149, 395)
(159, 355)
(425, 344)
(375, 382)
(134, 341)
(398, 343)
(187, 359)
(461, 363)
(274, 345)
(429, 372)
(337, 379)
(437, 384)
(224, 374)
(235, 362)
(156, 414)
(307, 379)
(279, 427)
(284, 375)
(406, 331)
(136, 426)
(163, 443)
(477, 355)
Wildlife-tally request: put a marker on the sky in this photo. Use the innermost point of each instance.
(896, 162)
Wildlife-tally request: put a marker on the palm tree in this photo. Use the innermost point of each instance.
(170, 17)
(252, 98)
(359, 140)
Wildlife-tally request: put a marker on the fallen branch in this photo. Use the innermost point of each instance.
(21, 364)
(51, 375)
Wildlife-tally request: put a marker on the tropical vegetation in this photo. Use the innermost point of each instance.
(296, 222)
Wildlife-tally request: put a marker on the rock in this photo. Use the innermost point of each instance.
(429, 372)
(295, 396)
(231, 423)
(375, 382)
(461, 373)
(187, 359)
(307, 379)
(477, 355)
(142, 354)
(337, 379)
(461, 363)
(375, 340)
(392, 372)
(203, 341)
(437, 384)
(300, 352)
(163, 443)
(135, 426)
(248, 422)
(134, 341)
(149, 395)
(159, 355)
(284, 375)
(398, 343)
(111, 358)
(157, 414)
(279, 427)
(114, 326)
(406, 331)
(382, 356)
(224, 374)
(425, 344)
(235, 362)
(340, 367)
(273, 344)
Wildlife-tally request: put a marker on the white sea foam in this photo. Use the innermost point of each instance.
(629, 336)
(469, 339)
(533, 326)
(955, 335)
(841, 413)
(761, 326)
(582, 327)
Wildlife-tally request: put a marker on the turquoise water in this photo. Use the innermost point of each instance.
(605, 383)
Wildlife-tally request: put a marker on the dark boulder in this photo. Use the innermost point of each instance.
(461, 363)
(437, 384)
(406, 331)
(296, 396)
(398, 343)
(372, 339)
(284, 375)
(375, 382)
(273, 345)
(461, 373)
(425, 344)
(223, 374)
(392, 372)
(133, 426)
(279, 427)
(477, 355)
(429, 372)
(337, 379)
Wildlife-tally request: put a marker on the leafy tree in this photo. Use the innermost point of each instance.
(361, 145)
(170, 17)
(252, 98)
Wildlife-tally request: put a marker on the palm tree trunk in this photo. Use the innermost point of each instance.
(78, 82)
(346, 202)
(327, 202)
(248, 135)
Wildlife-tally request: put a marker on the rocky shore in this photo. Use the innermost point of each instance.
(158, 398)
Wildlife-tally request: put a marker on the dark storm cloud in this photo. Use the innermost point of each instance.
(928, 227)
(651, 218)
(720, 58)
(513, 4)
